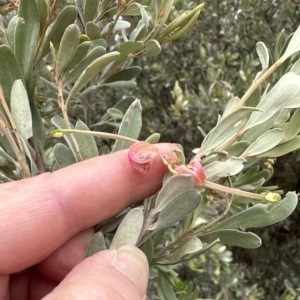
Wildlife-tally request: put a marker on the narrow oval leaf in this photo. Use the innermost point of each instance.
(132, 10)
(92, 70)
(294, 44)
(261, 214)
(63, 155)
(153, 138)
(9, 72)
(171, 188)
(55, 32)
(120, 25)
(127, 48)
(125, 74)
(83, 64)
(287, 88)
(26, 36)
(90, 10)
(86, 143)
(283, 149)
(60, 123)
(218, 169)
(81, 53)
(43, 12)
(293, 126)
(265, 142)
(129, 230)
(237, 148)
(233, 237)
(152, 48)
(20, 109)
(67, 50)
(225, 130)
(130, 126)
(177, 209)
(96, 244)
(263, 55)
(190, 246)
(255, 132)
(10, 32)
(122, 84)
(93, 31)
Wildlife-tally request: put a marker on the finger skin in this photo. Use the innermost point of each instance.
(59, 263)
(39, 214)
(109, 274)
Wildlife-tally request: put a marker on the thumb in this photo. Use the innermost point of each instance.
(110, 274)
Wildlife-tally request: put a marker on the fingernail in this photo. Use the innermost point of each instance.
(133, 263)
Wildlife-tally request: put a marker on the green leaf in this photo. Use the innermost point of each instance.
(26, 36)
(152, 48)
(163, 15)
(132, 10)
(60, 123)
(233, 237)
(283, 149)
(91, 71)
(148, 249)
(115, 113)
(93, 31)
(189, 246)
(9, 72)
(125, 74)
(90, 58)
(153, 138)
(31, 156)
(294, 44)
(265, 142)
(172, 188)
(261, 215)
(67, 50)
(177, 209)
(11, 30)
(263, 55)
(43, 12)
(20, 109)
(129, 230)
(139, 32)
(256, 131)
(63, 155)
(86, 143)
(55, 32)
(127, 48)
(229, 167)
(230, 106)
(164, 287)
(90, 10)
(120, 25)
(122, 84)
(287, 88)
(130, 126)
(225, 130)
(96, 244)
(293, 126)
(81, 53)
(237, 148)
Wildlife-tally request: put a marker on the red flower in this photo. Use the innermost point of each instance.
(194, 168)
(141, 156)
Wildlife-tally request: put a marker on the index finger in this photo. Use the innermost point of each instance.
(39, 214)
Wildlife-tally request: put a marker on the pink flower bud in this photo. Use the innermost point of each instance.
(141, 156)
(194, 168)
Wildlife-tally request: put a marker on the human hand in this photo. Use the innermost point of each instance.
(46, 223)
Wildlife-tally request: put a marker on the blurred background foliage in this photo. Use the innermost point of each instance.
(187, 86)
